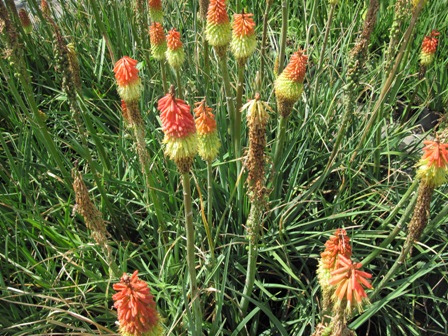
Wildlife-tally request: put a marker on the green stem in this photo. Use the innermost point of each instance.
(237, 130)
(284, 32)
(263, 43)
(229, 95)
(279, 144)
(103, 30)
(163, 72)
(209, 197)
(179, 85)
(206, 64)
(253, 225)
(196, 328)
(327, 31)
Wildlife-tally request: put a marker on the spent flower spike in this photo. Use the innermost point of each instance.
(429, 48)
(244, 41)
(158, 41)
(350, 283)
(209, 142)
(136, 309)
(433, 166)
(128, 80)
(155, 10)
(25, 21)
(218, 29)
(175, 54)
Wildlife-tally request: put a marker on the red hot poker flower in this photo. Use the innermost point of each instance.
(296, 68)
(338, 244)
(173, 40)
(429, 44)
(243, 25)
(433, 166)
(135, 306)
(155, 4)
(125, 71)
(177, 121)
(205, 120)
(156, 33)
(350, 282)
(217, 12)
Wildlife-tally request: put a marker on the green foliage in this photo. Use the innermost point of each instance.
(55, 279)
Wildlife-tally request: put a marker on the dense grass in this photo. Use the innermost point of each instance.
(56, 280)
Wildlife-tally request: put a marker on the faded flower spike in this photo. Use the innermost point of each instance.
(180, 131)
(136, 309)
(209, 142)
(257, 120)
(218, 29)
(350, 283)
(129, 83)
(244, 41)
(175, 54)
(155, 10)
(158, 41)
(25, 21)
(429, 48)
(289, 85)
(433, 166)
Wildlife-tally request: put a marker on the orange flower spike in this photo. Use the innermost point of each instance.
(429, 48)
(136, 309)
(209, 142)
(244, 41)
(350, 282)
(158, 41)
(289, 85)
(433, 166)
(296, 68)
(218, 29)
(180, 130)
(155, 10)
(128, 80)
(175, 54)
(243, 25)
(205, 120)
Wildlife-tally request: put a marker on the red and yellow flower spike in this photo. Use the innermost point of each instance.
(218, 29)
(175, 54)
(338, 244)
(180, 130)
(244, 41)
(128, 80)
(209, 142)
(350, 283)
(433, 166)
(136, 309)
(289, 85)
(429, 48)
(158, 41)
(155, 10)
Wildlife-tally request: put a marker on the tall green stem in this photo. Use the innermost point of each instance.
(163, 72)
(327, 31)
(279, 144)
(196, 328)
(281, 56)
(263, 43)
(179, 84)
(209, 196)
(253, 226)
